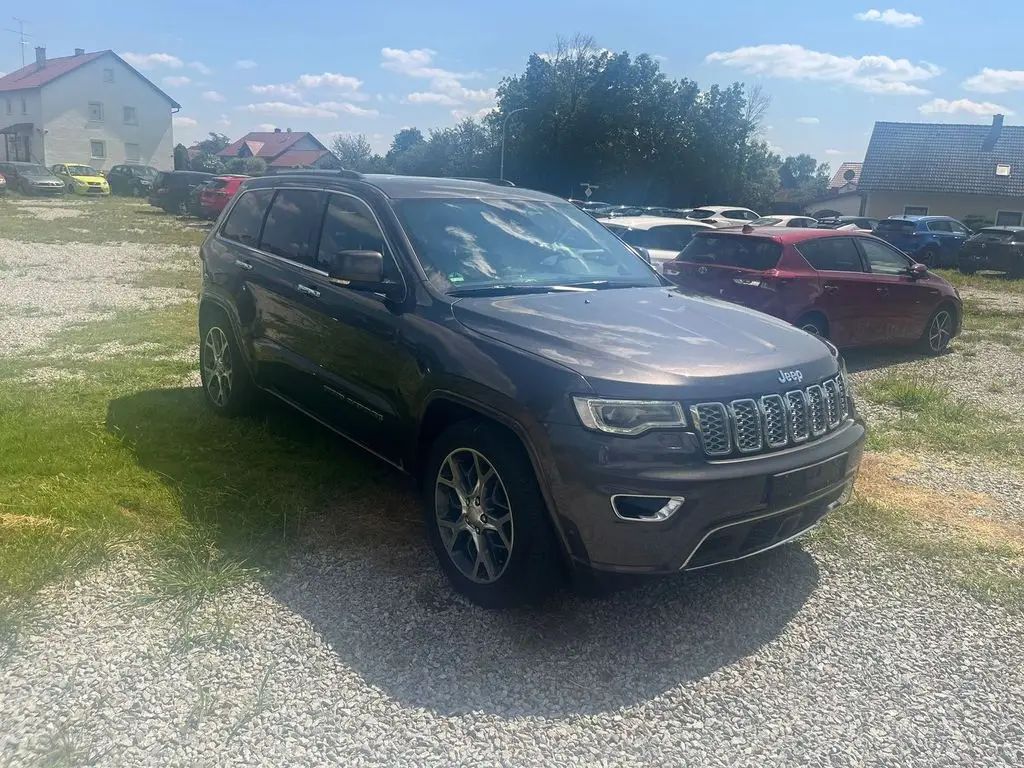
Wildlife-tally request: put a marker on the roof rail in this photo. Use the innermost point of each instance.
(496, 182)
(342, 172)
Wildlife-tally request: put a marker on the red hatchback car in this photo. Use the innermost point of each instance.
(854, 289)
(217, 192)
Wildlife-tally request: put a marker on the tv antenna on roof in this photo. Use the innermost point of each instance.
(22, 37)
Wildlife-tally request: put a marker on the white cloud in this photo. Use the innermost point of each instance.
(224, 122)
(329, 79)
(184, 122)
(996, 81)
(150, 60)
(343, 107)
(283, 109)
(965, 106)
(871, 74)
(659, 58)
(213, 96)
(480, 114)
(268, 127)
(418, 63)
(245, 64)
(281, 91)
(808, 120)
(834, 152)
(891, 17)
(176, 81)
(199, 67)
(293, 91)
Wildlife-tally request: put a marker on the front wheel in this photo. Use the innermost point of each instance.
(814, 325)
(486, 517)
(938, 332)
(227, 385)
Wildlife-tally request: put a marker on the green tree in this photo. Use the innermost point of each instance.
(214, 144)
(355, 154)
(254, 166)
(804, 178)
(181, 161)
(207, 164)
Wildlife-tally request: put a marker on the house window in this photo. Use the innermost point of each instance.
(915, 210)
(108, 75)
(1008, 218)
(95, 112)
(1002, 169)
(10, 107)
(131, 153)
(98, 149)
(130, 118)
(24, 106)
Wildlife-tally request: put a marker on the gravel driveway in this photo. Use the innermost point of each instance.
(359, 655)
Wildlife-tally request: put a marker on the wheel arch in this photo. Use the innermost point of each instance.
(816, 314)
(211, 305)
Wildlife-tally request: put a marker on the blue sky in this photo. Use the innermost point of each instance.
(831, 68)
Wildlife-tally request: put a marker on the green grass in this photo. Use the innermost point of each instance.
(995, 282)
(102, 220)
(930, 417)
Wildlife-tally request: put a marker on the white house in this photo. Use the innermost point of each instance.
(91, 108)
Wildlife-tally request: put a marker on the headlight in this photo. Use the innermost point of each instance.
(628, 417)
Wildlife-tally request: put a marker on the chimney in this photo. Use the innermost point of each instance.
(288, 130)
(79, 51)
(40, 56)
(993, 134)
(277, 130)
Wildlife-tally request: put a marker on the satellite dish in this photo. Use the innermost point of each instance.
(849, 174)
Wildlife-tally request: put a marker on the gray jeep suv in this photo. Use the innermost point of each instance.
(559, 402)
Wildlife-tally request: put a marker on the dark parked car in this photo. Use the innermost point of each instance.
(132, 180)
(849, 287)
(31, 179)
(996, 248)
(175, 191)
(560, 403)
(935, 241)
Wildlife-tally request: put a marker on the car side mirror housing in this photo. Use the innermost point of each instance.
(360, 271)
(918, 270)
(644, 254)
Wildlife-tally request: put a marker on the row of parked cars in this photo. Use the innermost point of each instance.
(935, 241)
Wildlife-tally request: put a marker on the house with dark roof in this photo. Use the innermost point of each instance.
(843, 197)
(90, 108)
(282, 150)
(948, 170)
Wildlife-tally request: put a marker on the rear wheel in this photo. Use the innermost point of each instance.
(930, 258)
(814, 325)
(939, 331)
(486, 517)
(227, 385)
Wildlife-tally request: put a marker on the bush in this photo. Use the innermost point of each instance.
(254, 166)
(181, 162)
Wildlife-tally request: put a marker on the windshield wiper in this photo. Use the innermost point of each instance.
(602, 285)
(514, 289)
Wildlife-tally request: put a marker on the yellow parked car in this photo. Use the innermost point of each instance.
(81, 179)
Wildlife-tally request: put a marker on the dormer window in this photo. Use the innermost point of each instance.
(1003, 169)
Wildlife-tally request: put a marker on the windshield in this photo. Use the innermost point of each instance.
(32, 170)
(497, 243)
(767, 221)
(733, 251)
(701, 213)
(82, 170)
(146, 172)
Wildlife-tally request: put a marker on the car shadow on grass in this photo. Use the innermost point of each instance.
(362, 574)
(873, 358)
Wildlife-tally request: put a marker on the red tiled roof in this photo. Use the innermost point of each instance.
(296, 158)
(838, 179)
(32, 76)
(271, 143)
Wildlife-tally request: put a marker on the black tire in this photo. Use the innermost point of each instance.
(529, 566)
(239, 394)
(136, 191)
(814, 325)
(26, 190)
(1017, 270)
(933, 340)
(930, 258)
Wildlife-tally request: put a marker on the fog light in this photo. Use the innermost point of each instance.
(646, 509)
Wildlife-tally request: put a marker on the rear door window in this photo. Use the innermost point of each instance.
(832, 254)
(939, 226)
(246, 218)
(733, 251)
(292, 222)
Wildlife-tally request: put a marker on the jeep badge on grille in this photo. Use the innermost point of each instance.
(794, 375)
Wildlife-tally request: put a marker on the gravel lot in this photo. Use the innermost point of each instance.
(357, 653)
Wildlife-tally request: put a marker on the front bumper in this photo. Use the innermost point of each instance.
(731, 508)
(90, 190)
(46, 189)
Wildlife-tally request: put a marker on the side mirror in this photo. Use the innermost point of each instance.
(360, 271)
(918, 270)
(644, 254)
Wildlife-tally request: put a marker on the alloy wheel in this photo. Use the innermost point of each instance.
(216, 361)
(940, 331)
(473, 515)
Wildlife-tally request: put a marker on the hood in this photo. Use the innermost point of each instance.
(625, 340)
(88, 178)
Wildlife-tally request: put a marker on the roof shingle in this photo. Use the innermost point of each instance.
(265, 144)
(839, 177)
(928, 157)
(31, 76)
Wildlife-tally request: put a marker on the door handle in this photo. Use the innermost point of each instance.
(882, 291)
(243, 264)
(829, 288)
(308, 291)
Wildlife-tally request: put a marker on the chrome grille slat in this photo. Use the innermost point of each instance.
(746, 425)
(712, 423)
(771, 422)
(776, 422)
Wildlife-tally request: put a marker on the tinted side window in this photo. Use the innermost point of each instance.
(670, 238)
(832, 254)
(939, 226)
(292, 223)
(349, 226)
(246, 218)
(882, 259)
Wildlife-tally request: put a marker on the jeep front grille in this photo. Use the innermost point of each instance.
(771, 422)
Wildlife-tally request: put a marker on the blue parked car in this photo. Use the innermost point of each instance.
(932, 240)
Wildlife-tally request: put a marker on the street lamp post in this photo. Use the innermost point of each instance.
(504, 131)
